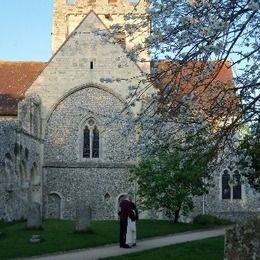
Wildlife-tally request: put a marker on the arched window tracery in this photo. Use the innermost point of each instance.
(91, 140)
(231, 185)
(237, 186)
(226, 191)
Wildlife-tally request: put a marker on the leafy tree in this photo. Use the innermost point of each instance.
(250, 146)
(169, 181)
(200, 39)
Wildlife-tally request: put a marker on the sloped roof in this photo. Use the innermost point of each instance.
(169, 70)
(15, 78)
(210, 82)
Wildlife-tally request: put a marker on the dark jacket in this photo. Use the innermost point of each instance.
(125, 209)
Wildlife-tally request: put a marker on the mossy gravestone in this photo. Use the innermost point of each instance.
(243, 241)
(34, 218)
(83, 218)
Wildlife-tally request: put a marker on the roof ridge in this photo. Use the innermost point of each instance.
(10, 61)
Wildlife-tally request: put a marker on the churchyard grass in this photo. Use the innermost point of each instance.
(212, 248)
(60, 235)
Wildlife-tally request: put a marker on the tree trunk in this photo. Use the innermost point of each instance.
(176, 215)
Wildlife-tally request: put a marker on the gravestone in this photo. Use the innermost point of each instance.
(34, 219)
(83, 218)
(243, 241)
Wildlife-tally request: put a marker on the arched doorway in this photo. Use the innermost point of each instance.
(54, 205)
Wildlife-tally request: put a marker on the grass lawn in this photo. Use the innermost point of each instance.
(212, 248)
(59, 235)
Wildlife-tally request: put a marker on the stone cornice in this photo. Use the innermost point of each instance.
(89, 164)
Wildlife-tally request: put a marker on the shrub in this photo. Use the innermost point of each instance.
(209, 220)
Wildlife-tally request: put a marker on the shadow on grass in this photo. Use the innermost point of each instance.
(89, 231)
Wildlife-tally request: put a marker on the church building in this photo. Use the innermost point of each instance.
(63, 123)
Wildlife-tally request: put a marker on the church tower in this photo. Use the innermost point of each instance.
(69, 13)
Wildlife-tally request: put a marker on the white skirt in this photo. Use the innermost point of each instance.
(131, 232)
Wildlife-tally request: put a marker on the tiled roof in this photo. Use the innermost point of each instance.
(15, 78)
(220, 71)
(210, 82)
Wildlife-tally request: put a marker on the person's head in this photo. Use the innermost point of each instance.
(122, 197)
(130, 197)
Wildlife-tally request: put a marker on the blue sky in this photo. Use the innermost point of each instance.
(25, 27)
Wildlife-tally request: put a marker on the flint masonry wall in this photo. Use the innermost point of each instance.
(20, 178)
(7, 130)
(70, 179)
(64, 131)
(70, 68)
(233, 209)
(70, 92)
(98, 186)
(8, 136)
(243, 241)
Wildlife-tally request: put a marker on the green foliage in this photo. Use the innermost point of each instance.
(212, 248)
(209, 220)
(251, 148)
(169, 181)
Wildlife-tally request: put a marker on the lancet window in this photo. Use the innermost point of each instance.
(91, 140)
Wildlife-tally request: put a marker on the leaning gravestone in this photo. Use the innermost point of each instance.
(34, 218)
(83, 218)
(243, 241)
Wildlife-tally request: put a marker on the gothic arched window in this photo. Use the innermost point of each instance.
(231, 185)
(91, 139)
(237, 186)
(226, 192)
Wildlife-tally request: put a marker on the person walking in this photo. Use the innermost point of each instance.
(124, 212)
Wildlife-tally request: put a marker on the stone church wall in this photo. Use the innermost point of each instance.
(67, 17)
(20, 181)
(34, 165)
(100, 187)
(70, 68)
(20, 164)
(243, 241)
(69, 178)
(233, 209)
(8, 136)
(64, 133)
